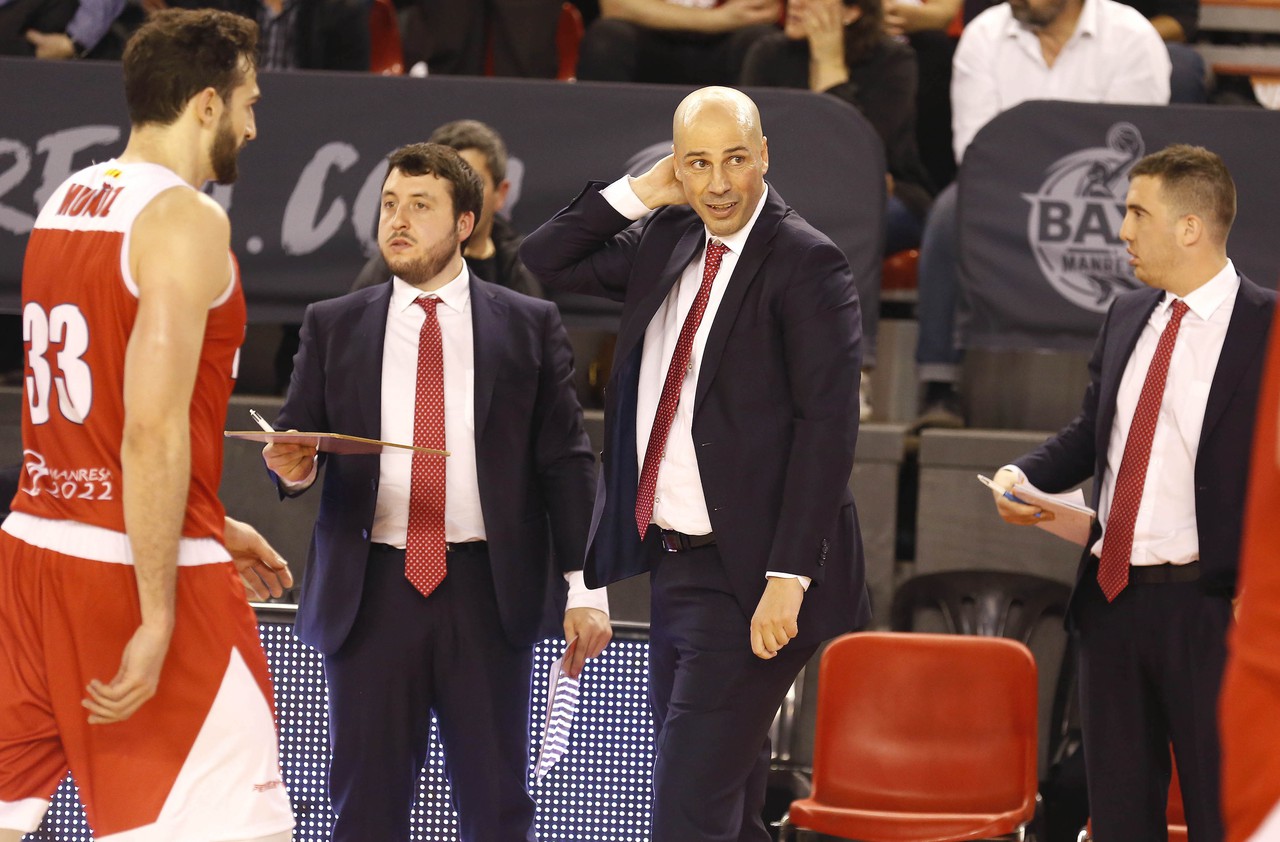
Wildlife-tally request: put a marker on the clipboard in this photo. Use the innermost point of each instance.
(1072, 519)
(332, 442)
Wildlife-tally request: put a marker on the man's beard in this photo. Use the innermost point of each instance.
(1036, 18)
(225, 153)
(418, 271)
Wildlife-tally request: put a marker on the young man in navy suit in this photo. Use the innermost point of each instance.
(427, 579)
(731, 416)
(1165, 432)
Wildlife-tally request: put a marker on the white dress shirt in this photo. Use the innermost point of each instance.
(678, 499)
(1115, 55)
(1165, 529)
(463, 518)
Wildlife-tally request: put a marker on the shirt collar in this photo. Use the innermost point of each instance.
(1207, 298)
(737, 241)
(455, 295)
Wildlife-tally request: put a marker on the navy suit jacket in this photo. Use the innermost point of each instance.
(535, 467)
(775, 415)
(1222, 461)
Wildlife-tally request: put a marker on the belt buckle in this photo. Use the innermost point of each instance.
(673, 542)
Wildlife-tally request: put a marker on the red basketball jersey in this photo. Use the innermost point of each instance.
(79, 306)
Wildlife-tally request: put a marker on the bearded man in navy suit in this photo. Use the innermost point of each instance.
(510, 514)
(1165, 432)
(731, 416)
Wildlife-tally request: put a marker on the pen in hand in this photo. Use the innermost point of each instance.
(261, 422)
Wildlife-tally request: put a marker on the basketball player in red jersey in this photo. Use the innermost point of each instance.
(127, 651)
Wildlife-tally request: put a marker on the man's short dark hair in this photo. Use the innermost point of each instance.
(179, 52)
(472, 134)
(444, 163)
(1193, 180)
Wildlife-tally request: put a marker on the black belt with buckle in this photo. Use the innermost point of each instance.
(465, 547)
(468, 547)
(678, 542)
(1154, 574)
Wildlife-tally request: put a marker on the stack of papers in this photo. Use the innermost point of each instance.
(562, 706)
(1072, 519)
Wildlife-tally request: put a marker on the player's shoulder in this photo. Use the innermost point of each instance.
(180, 211)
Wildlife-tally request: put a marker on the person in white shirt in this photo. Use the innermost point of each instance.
(1075, 50)
(1165, 432)
(428, 576)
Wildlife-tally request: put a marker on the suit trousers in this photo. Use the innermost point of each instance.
(713, 702)
(1151, 666)
(406, 656)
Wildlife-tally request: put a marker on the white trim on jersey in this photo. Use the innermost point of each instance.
(230, 785)
(24, 815)
(83, 540)
(231, 285)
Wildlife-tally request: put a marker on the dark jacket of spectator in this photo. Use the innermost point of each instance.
(327, 34)
(882, 86)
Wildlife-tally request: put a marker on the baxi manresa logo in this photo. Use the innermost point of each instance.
(1074, 224)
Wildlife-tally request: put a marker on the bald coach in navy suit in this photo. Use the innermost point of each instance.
(750, 536)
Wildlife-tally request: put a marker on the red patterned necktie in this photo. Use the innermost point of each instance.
(670, 398)
(424, 564)
(1117, 543)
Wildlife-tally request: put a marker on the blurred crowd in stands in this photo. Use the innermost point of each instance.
(927, 75)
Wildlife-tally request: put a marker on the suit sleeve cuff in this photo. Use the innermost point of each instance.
(624, 200)
(580, 596)
(805, 581)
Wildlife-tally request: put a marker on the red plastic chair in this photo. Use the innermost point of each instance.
(923, 737)
(386, 55)
(1176, 814)
(898, 275)
(569, 32)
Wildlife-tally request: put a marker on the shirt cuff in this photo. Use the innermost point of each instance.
(302, 484)
(805, 581)
(580, 596)
(1022, 478)
(624, 200)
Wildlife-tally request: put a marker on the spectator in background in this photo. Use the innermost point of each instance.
(684, 42)
(1177, 21)
(1078, 50)
(491, 253)
(837, 47)
(450, 36)
(59, 29)
(931, 28)
(300, 34)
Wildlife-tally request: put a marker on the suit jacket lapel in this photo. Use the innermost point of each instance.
(757, 248)
(1245, 341)
(488, 315)
(681, 256)
(369, 335)
(1125, 330)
